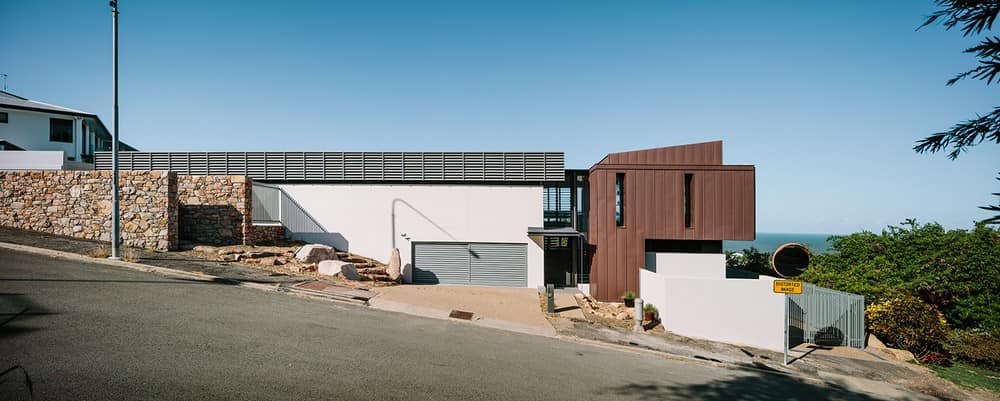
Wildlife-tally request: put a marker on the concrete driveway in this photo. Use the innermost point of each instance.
(515, 309)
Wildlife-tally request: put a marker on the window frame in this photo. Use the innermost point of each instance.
(688, 195)
(62, 136)
(619, 200)
(4, 117)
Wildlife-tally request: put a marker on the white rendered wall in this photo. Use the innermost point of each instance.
(31, 160)
(30, 131)
(736, 311)
(358, 217)
(704, 265)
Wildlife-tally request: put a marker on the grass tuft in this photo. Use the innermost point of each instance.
(969, 376)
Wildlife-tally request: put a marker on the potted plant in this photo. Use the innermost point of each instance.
(629, 298)
(649, 313)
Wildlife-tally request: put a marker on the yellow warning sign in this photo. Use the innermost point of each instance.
(787, 287)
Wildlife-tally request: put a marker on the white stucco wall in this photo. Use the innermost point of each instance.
(358, 217)
(704, 265)
(737, 311)
(30, 131)
(31, 160)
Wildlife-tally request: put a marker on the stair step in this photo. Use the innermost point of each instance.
(374, 277)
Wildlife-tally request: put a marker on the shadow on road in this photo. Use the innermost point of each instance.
(15, 309)
(754, 387)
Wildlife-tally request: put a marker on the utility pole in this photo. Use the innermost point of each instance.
(115, 233)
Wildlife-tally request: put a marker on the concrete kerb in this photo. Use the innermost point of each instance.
(178, 273)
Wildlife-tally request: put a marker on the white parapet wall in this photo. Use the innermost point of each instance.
(369, 219)
(736, 311)
(32, 160)
(694, 265)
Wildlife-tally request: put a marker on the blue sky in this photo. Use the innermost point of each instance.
(825, 99)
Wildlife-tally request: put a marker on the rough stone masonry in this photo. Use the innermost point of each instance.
(215, 209)
(78, 204)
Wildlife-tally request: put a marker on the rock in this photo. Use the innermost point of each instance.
(315, 253)
(272, 261)
(622, 316)
(395, 265)
(348, 272)
(258, 254)
(877, 347)
(204, 249)
(875, 343)
(331, 267)
(227, 251)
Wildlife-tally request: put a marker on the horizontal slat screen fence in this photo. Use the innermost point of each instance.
(352, 166)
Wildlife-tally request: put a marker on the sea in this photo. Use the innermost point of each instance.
(768, 242)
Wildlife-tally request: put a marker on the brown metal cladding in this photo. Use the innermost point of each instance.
(723, 206)
(697, 153)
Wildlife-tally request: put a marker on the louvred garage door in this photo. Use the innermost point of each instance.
(476, 263)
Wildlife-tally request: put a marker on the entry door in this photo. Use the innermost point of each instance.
(477, 263)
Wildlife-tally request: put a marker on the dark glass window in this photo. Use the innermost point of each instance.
(3, 118)
(60, 130)
(620, 199)
(687, 199)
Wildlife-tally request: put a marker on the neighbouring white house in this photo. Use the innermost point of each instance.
(41, 136)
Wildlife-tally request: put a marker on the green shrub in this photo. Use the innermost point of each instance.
(751, 259)
(955, 270)
(908, 323)
(628, 295)
(649, 308)
(974, 347)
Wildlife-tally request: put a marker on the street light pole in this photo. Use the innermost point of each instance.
(115, 234)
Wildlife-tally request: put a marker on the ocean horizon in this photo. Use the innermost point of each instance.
(768, 242)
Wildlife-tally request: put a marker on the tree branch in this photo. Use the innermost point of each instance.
(974, 15)
(963, 135)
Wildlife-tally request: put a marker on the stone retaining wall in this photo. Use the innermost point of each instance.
(266, 234)
(78, 204)
(215, 209)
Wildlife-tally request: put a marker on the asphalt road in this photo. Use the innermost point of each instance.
(73, 330)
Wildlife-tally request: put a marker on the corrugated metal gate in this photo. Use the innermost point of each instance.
(826, 317)
(492, 264)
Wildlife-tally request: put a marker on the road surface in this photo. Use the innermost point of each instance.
(75, 330)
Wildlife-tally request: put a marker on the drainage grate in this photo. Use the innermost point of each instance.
(459, 314)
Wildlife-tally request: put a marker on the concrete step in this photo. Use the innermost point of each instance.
(376, 277)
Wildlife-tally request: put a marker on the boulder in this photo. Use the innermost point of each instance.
(348, 272)
(330, 267)
(315, 253)
(395, 265)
